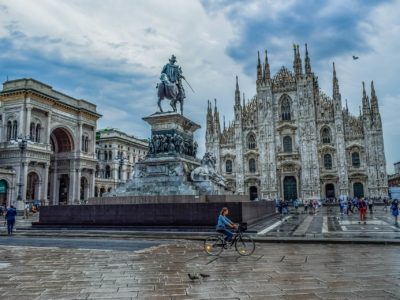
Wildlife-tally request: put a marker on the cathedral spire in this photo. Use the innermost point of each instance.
(237, 93)
(374, 100)
(224, 122)
(210, 123)
(259, 69)
(335, 85)
(365, 102)
(307, 63)
(297, 61)
(216, 118)
(267, 72)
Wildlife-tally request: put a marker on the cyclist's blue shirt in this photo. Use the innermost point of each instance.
(222, 222)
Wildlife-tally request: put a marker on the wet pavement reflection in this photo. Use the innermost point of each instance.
(274, 271)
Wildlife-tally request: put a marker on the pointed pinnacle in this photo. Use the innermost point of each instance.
(372, 88)
(364, 93)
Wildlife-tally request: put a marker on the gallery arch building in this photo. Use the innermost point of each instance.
(60, 153)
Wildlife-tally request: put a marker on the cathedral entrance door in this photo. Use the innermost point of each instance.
(358, 189)
(289, 188)
(63, 191)
(329, 191)
(253, 193)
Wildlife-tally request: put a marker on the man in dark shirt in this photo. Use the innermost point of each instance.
(10, 218)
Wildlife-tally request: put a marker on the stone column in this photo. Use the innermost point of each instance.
(28, 121)
(78, 186)
(72, 183)
(45, 183)
(55, 186)
(48, 132)
(24, 180)
(92, 184)
(79, 138)
(3, 131)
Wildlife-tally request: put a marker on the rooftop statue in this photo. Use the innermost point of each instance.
(170, 86)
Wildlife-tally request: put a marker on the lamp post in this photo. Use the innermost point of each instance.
(22, 145)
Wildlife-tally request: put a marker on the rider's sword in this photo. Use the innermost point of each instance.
(188, 85)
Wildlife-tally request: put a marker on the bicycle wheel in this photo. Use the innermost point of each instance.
(213, 245)
(245, 245)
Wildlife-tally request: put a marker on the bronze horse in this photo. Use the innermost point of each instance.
(170, 91)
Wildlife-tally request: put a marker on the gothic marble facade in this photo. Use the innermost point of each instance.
(291, 140)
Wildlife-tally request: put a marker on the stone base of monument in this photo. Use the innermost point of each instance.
(171, 160)
(168, 215)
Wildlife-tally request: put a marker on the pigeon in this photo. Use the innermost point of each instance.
(204, 275)
(355, 57)
(193, 277)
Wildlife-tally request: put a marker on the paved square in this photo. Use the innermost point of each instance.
(274, 271)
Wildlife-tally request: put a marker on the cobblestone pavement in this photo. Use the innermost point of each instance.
(274, 271)
(328, 222)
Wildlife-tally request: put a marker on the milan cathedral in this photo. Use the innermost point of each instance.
(293, 141)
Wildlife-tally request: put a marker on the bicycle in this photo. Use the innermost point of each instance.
(244, 244)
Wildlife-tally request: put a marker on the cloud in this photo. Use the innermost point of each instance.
(111, 53)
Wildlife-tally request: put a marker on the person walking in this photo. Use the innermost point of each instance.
(362, 208)
(371, 205)
(394, 208)
(305, 207)
(296, 205)
(385, 203)
(10, 218)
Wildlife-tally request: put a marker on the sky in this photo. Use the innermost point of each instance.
(111, 52)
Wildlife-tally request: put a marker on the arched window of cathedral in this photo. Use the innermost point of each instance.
(108, 171)
(252, 165)
(97, 171)
(32, 132)
(228, 166)
(38, 129)
(110, 155)
(14, 130)
(326, 135)
(105, 155)
(355, 159)
(328, 161)
(287, 144)
(251, 141)
(285, 109)
(9, 130)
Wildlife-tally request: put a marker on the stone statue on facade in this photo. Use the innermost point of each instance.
(207, 171)
(170, 86)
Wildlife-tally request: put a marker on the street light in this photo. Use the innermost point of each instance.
(22, 144)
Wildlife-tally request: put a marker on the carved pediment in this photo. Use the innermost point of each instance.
(284, 80)
(355, 146)
(327, 148)
(357, 175)
(286, 125)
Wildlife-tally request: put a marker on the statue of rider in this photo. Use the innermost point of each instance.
(174, 74)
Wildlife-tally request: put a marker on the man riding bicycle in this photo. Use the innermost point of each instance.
(224, 224)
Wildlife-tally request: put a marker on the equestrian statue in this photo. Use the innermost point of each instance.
(170, 86)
